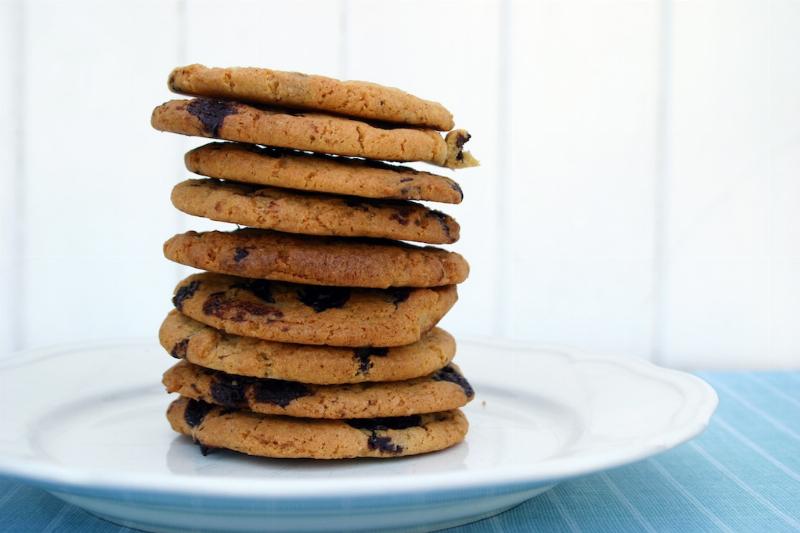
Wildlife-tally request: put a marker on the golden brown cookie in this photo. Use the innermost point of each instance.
(443, 390)
(309, 314)
(283, 436)
(303, 91)
(205, 346)
(264, 254)
(327, 134)
(313, 214)
(291, 169)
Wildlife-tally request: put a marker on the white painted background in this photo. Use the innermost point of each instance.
(640, 187)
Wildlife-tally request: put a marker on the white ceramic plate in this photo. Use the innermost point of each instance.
(87, 424)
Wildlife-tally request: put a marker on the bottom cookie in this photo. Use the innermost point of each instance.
(286, 437)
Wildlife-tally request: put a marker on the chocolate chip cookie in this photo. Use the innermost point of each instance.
(185, 338)
(359, 99)
(292, 169)
(309, 314)
(314, 132)
(443, 390)
(265, 254)
(282, 436)
(312, 213)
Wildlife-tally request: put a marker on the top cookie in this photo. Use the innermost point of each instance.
(315, 132)
(302, 91)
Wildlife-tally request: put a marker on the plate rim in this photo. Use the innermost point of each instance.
(73, 480)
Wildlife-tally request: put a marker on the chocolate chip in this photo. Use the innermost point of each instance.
(239, 254)
(450, 374)
(383, 444)
(184, 293)
(443, 221)
(401, 218)
(322, 298)
(195, 412)
(456, 187)
(356, 204)
(363, 356)
(378, 424)
(461, 139)
(403, 214)
(373, 425)
(231, 391)
(228, 390)
(238, 310)
(205, 450)
(212, 112)
(179, 350)
(259, 287)
(403, 206)
(398, 295)
(278, 391)
(406, 180)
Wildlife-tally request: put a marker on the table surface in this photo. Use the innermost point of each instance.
(742, 474)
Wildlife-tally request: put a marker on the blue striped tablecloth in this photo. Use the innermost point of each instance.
(742, 474)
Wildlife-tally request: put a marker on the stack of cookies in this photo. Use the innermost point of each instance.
(312, 331)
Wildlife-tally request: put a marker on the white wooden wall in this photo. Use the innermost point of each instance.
(640, 187)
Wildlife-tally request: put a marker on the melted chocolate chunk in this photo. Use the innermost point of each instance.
(205, 450)
(401, 218)
(442, 218)
(363, 357)
(184, 293)
(383, 444)
(405, 207)
(240, 253)
(279, 392)
(456, 187)
(322, 298)
(461, 139)
(211, 112)
(357, 204)
(398, 294)
(230, 391)
(379, 424)
(179, 350)
(373, 425)
(195, 412)
(450, 374)
(259, 287)
(238, 310)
